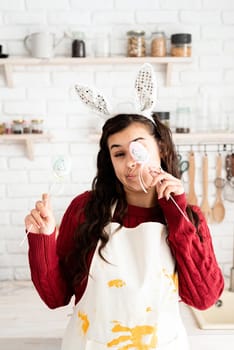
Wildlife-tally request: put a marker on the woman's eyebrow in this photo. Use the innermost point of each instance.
(114, 146)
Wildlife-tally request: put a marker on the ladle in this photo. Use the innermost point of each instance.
(218, 210)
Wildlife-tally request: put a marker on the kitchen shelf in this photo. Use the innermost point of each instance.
(28, 139)
(9, 63)
(214, 138)
(226, 138)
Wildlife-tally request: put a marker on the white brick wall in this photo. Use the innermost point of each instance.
(47, 92)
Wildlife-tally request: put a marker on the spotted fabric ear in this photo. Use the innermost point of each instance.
(94, 100)
(145, 88)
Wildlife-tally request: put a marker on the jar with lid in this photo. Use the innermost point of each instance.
(164, 117)
(136, 44)
(17, 126)
(78, 45)
(2, 128)
(158, 44)
(181, 45)
(182, 120)
(37, 126)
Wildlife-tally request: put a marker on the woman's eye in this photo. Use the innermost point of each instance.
(120, 154)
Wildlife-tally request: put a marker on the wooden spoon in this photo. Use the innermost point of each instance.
(218, 210)
(191, 198)
(205, 207)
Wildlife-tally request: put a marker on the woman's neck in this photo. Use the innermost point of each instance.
(144, 200)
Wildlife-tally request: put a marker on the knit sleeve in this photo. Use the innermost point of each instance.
(47, 254)
(200, 278)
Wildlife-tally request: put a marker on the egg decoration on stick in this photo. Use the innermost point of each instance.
(142, 157)
(61, 168)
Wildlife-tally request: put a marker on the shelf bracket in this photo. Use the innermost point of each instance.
(8, 75)
(168, 73)
(29, 148)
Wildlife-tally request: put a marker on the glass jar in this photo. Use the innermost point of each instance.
(136, 44)
(181, 45)
(2, 128)
(182, 120)
(102, 45)
(158, 44)
(78, 45)
(18, 126)
(26, 127)
(37, 126)
(164, 117)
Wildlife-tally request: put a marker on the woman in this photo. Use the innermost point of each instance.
(126, 253)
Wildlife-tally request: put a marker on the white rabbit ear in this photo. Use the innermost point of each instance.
(145, 89)
(94, 100)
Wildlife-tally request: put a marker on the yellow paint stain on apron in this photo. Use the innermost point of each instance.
(134, 336)
(85, 321)
(173, 278)
(148, 309)
(116, 283)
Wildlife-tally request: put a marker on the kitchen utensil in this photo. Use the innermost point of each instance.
(191, 197)
(61, 168)
(41, 44)
(205, 207)
(228, 192)
(141, 156)
(218, 210)
(183, 164)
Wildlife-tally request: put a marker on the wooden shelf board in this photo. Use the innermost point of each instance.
(193, 138)
(28, 139)
(8, 63)
(92, 60)
(204, 138)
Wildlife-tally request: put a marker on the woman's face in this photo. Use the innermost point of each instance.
(125, 166)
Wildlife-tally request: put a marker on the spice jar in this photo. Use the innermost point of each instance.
(136, 44)
(18, 126)
(2, 128)
(26, 127)
(181, 45)
(37, 126)
(164, 118)
(182, 120)
(158, 44)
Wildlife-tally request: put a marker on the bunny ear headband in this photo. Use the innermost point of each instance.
(145, 95)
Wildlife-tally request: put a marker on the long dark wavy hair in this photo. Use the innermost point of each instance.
(107, 190)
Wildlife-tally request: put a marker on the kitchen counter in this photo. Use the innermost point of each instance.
(205, 339)
(26, 323)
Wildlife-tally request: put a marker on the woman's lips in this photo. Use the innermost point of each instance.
(131, 176)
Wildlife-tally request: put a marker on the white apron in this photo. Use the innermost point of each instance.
(132, 301)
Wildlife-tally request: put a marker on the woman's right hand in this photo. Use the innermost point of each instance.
(41, 218)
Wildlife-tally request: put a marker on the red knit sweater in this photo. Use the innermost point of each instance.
(200, 278)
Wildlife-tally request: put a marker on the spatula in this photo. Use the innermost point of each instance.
(218, 211)
(205, 207)
(191, 197)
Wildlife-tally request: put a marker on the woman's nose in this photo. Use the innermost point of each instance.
(131, 163)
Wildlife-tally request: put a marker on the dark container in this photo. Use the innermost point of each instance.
(78, 48)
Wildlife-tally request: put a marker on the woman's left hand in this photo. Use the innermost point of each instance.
(165, 183)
